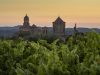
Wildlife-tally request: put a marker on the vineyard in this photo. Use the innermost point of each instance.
(78, 55)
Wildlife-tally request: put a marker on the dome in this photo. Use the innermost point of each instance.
(34, 26)
(26, 17)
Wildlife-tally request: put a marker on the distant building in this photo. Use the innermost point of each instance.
(26, 21)
(34, 31)
(44, 31)
(26, 25)
(59, 27)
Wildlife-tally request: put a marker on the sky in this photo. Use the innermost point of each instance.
(86, 13)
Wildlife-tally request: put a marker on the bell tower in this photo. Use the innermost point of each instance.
(26, 21)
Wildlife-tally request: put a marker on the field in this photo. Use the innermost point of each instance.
(78, 55)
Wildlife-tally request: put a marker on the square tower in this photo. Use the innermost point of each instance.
(59, 27)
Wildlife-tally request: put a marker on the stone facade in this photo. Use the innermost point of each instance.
(58, 29)
(26, 25)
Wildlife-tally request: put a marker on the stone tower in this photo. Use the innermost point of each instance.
(26, 26)
(26, 21)
(59, 27)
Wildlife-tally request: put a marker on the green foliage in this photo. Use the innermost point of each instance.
(79, 55)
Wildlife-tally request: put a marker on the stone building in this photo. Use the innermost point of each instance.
(32, 31)
(39, 32)
(26, 25)
(59, 27)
